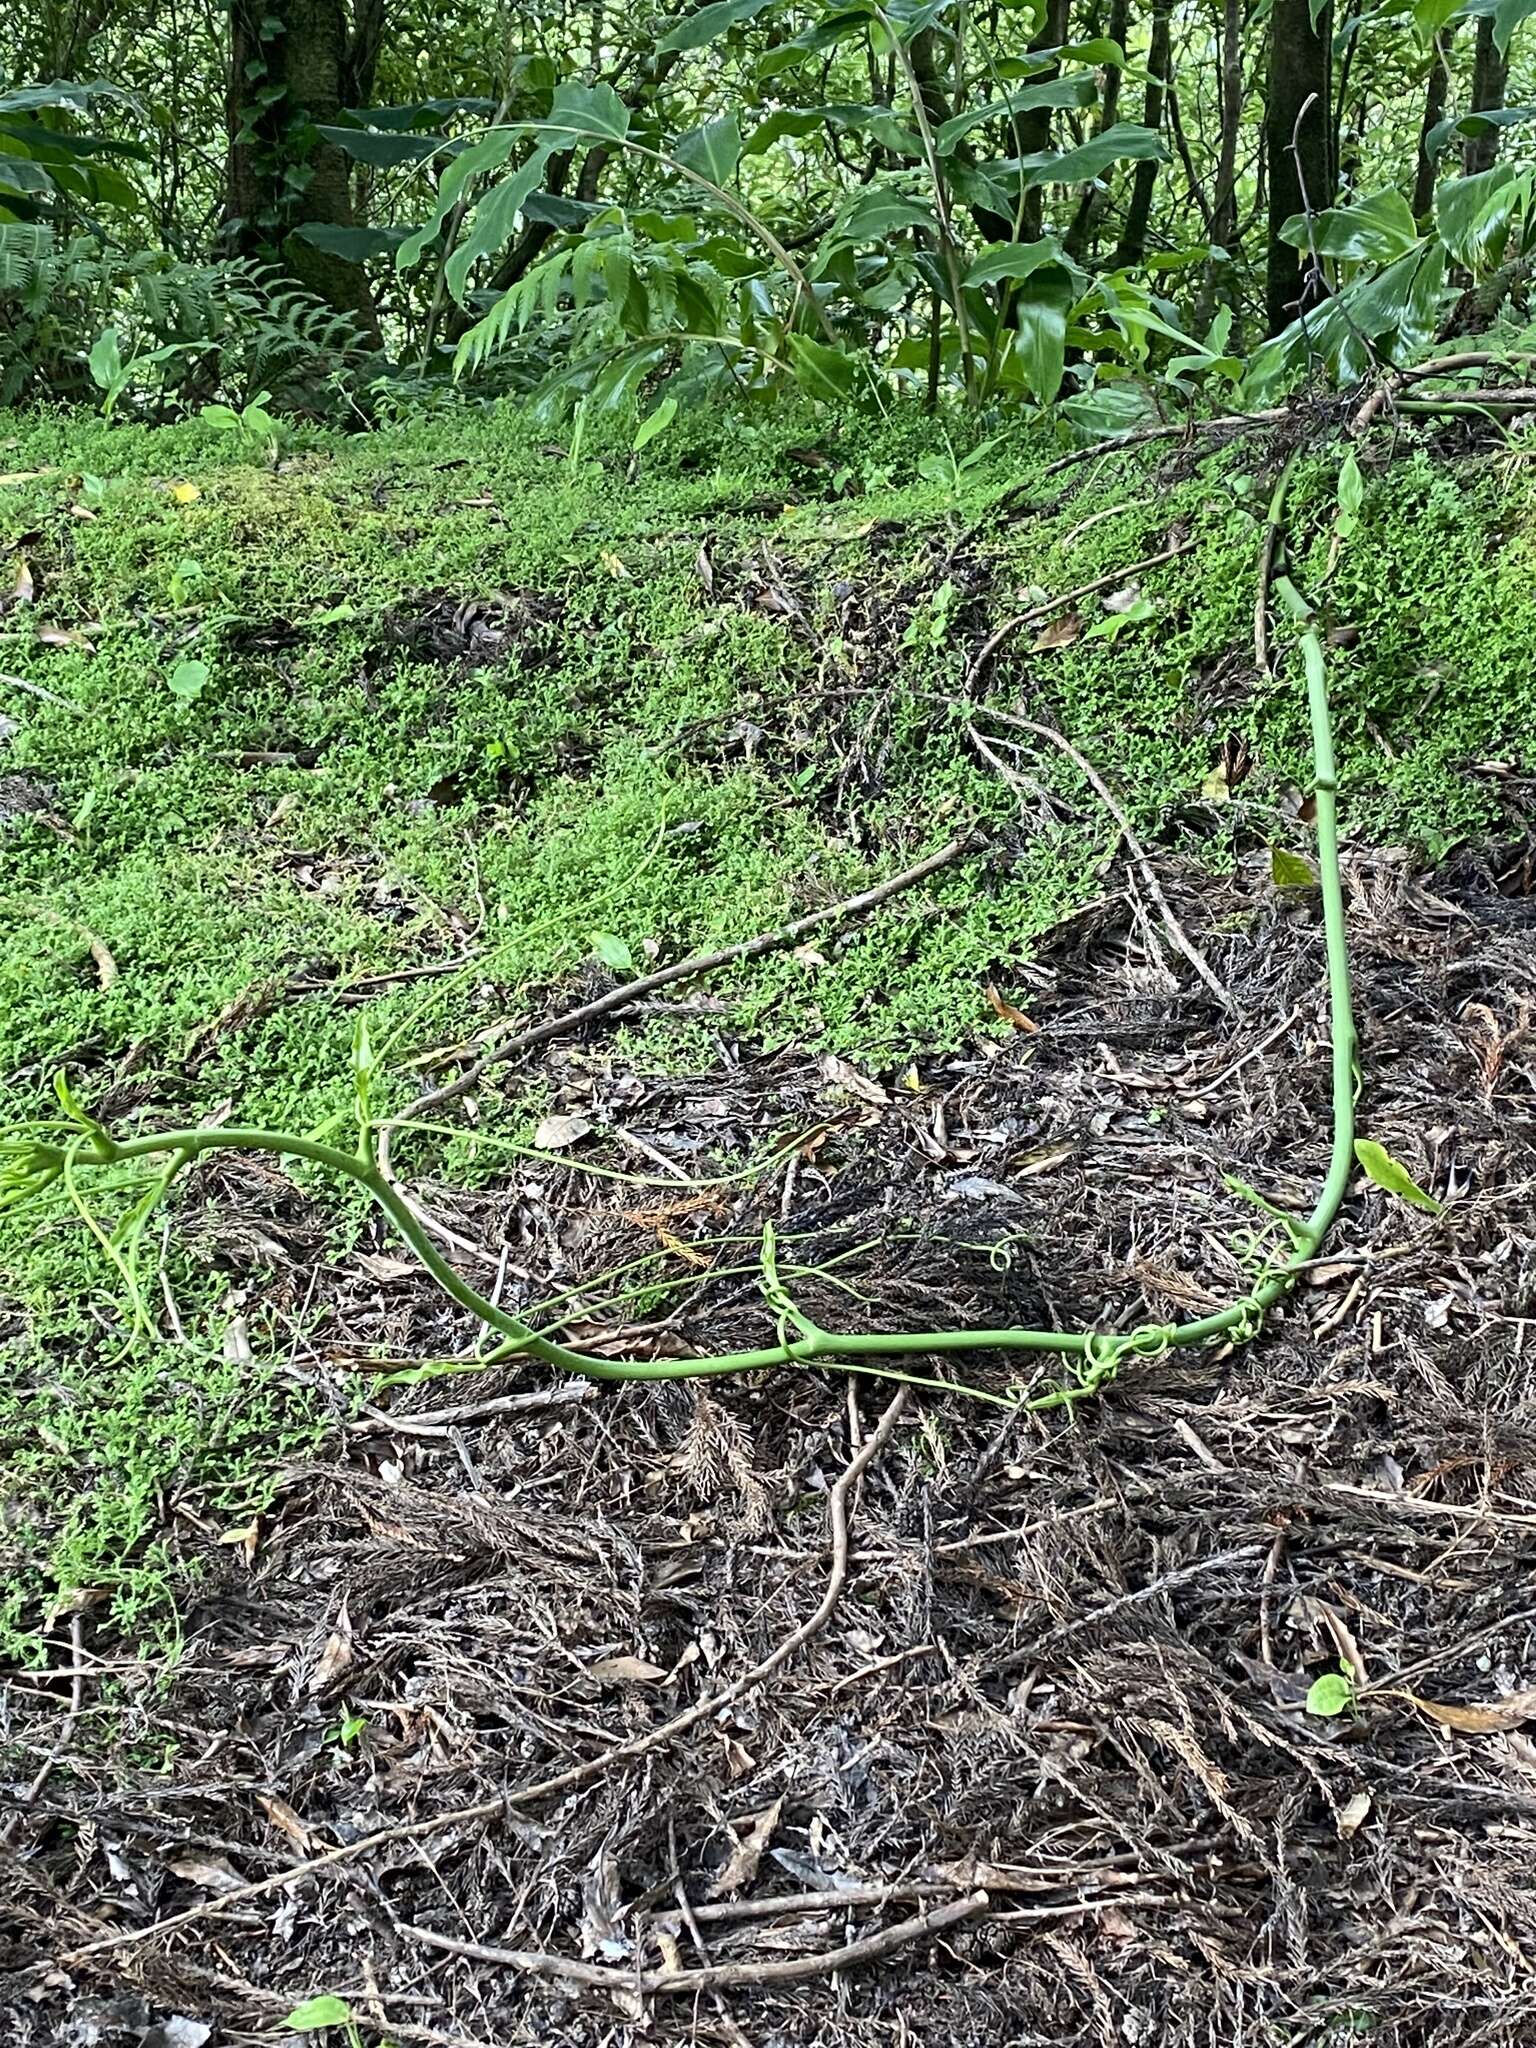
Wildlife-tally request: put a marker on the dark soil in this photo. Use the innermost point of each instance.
(1069, 1663)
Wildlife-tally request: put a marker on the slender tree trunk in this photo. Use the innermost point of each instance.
(289, 75)
(1222, 234)
(1436, 87)
(1090, 208)
(1032, 131)
(1490, 78)
(1133, 236)
(1297, 128)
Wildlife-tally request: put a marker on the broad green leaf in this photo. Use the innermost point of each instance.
(383, 152)
(1388, 1173)
(1076, 89)
(316, 2013)
(1123, 143)
(20, 174)
(1430, 16)
(482, 157)
(1468, 127)
(1507, 17)
(1113, 624)
(1011, 261)
(710, 23)
(655, 422)
(594, 110)
(1289, 870)
(1351, 484)
(713, 151)
(611, 950)
(1331, 1695)
(821, 370)
(871, 215)
(1475, 215)
(105, 360)
(494, 219)
(63, 93)
(188, 680)
(419, 113)
(1040, 333)
(353, 245)
(1377, 230)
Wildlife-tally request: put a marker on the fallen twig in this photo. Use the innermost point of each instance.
(631, 992)
(1054, 604)
(577, 1774)
(715, 1976)
(1224, 423)
(1442, 366)
(1138, 852)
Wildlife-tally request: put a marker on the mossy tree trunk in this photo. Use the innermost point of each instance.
(294, 65)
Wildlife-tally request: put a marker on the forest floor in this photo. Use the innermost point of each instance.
(304, 1600)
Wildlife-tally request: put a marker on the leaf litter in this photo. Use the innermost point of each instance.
(1067, 1673)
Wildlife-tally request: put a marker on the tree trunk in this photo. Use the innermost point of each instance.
(1297, 127)
(1032, 131)
(1133, 236)
(314, 61)
(1436, 87)
(1490, 77)
(1090, 208)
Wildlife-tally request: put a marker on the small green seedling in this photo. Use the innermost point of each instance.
(1332, 1695)
(315, 2015)
(251, 422)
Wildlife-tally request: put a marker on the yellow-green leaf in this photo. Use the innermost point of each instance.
(1380, 1167)
(1290, 871)
(316, 2013)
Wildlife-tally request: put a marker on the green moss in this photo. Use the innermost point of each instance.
(726, 690)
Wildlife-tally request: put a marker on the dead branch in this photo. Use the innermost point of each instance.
(1138, 852)
(715, 1976)
(1009, 627)
(631, 992)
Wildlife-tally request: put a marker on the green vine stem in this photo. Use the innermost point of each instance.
(1095, 1355)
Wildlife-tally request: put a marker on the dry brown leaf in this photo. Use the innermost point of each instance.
(106, 966)
(214, 1874)
(286, 1821)
(336, 1657)
(741, 1864)
(556, 1132)
(62, 636)
(808, 956)
(1353, 1815)
(1008, 1012)
(625, 1671)
(1497, 1718)
(838, 1074)
(1059, 633)
(380, 1266)
(24, 589)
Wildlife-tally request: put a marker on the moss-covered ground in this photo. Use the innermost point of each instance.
(458, 698)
